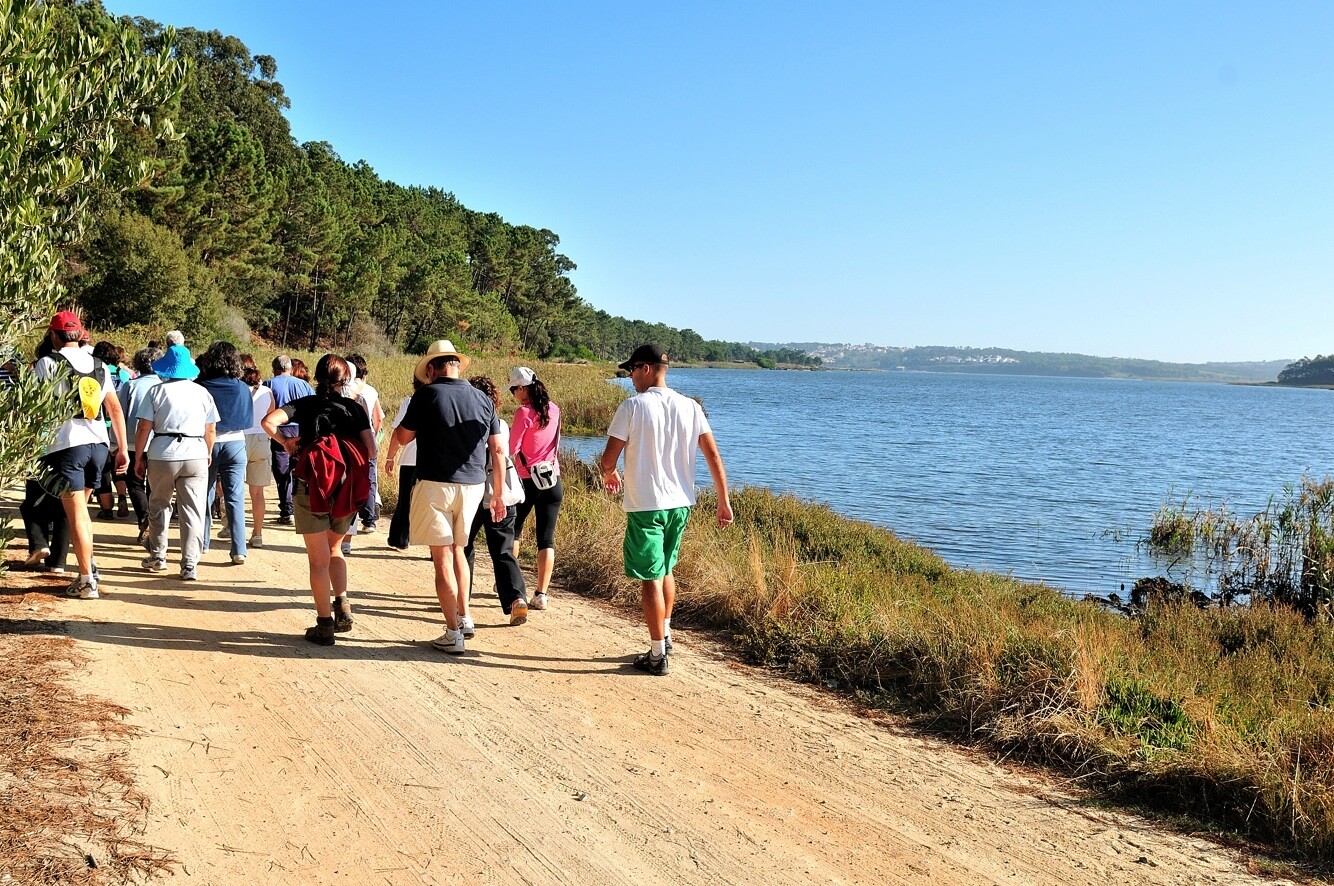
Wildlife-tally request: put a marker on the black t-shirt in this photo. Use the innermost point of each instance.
(317, 416)
(452, 420)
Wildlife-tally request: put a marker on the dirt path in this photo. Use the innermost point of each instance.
(540, 756)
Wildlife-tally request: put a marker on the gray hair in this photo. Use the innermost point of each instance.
(175, 337)
(282, 363)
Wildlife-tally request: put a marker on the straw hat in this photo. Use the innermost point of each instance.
(441, 348)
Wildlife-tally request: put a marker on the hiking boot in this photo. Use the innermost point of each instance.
(36, 557)
(238, 559)
(188, 573)
(143, 532)
(342, 615)
(256, 541)
(518, 612)
(323, 632)
(106, 514)
(538, 602)
(82, 589)
(468, 629)
(122, 509)
(154, 564)
(450, 641)
(645, 662)
(284, 520)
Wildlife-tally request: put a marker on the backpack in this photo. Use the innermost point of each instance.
(336, 473)
(86, 388)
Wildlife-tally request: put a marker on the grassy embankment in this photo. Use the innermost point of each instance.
(1224, 715)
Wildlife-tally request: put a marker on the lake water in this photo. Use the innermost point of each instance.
(1020, 475)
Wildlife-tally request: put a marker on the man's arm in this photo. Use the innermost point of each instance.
(210, 436)
(111, 403)
(612, 454)
(367, 438)
(402, 436)
(714, 460)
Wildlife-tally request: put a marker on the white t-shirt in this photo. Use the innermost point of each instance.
(261, 398)
(368, 397)
(408, 456)
(76, 431)
(661, 430)
(183, 408)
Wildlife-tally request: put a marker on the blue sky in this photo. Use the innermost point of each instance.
(1122, 179)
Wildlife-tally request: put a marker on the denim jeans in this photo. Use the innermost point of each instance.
(229, 464)
(282, 475)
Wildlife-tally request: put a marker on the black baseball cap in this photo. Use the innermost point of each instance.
(645, 354)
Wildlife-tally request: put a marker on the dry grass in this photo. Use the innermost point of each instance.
(69, 812)
(1224, 715)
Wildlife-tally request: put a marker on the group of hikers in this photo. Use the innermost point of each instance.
(188, 439)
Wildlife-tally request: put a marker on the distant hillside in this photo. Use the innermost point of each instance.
(1001, 361)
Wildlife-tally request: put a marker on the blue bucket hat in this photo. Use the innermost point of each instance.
(176, 363)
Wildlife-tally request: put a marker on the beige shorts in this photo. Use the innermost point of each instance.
(259, 460)
(442, 513)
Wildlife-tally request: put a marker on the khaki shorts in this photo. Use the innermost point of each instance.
(259, 460)
(306, 522)
(442, 513)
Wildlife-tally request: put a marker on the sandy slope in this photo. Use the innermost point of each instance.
(540, 756)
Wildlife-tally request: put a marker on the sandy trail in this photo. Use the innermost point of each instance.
(540, 756)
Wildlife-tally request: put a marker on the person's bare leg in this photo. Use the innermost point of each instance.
(317, 555)
(668, 594)
(446, 588)
(462, 580)
(257, 508)
(337, 565)
(655, 609)
(546, 565)
(80, 529)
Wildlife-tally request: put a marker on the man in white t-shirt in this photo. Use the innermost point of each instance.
(73, 463)
(660, 431)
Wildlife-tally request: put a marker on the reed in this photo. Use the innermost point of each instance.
(1223, 714)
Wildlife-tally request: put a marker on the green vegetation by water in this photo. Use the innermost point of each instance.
(1316, 370)
(1222, 714)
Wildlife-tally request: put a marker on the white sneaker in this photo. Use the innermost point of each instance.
(256, 541)
(450, 641)
(539, 601)
(518, 612)
(188, 573)
(83, 590)
(154, 564)
(467, 627)
(238, 559)
(37, 556)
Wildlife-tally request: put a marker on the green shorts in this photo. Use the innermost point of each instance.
(653, 542)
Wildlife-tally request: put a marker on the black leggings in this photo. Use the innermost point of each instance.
(398, 524)
(546, 502)
(500, 544)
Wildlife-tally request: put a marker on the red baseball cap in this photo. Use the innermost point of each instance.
(66, 321)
